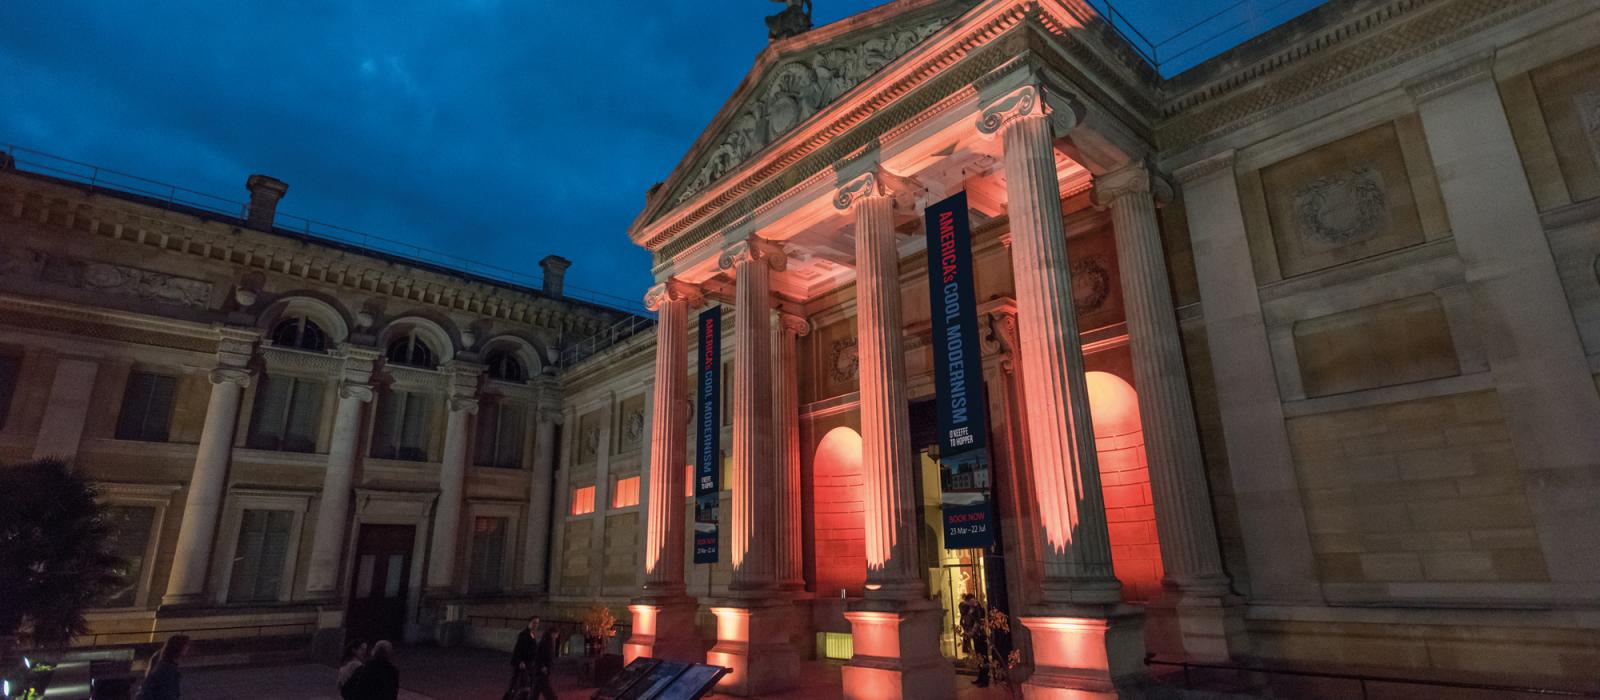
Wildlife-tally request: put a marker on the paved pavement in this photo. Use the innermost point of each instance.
(434, 673)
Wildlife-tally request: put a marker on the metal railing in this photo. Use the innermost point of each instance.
(615, 333)
(171, 196)
(1364, 681)
(1233, 17)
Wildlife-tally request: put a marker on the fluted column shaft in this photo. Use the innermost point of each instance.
(1190, 555)
(887, 460)
(1076, 546)
(207, 484)
(753, 521)
(452, 479)
(535, 569)
(664, 534)
(786, 412)
(327, 543)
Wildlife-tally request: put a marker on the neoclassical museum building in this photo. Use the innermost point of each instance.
(1287, 360)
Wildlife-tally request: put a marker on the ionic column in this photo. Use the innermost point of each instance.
(208, 484)
(896, 629)
(462, 401)
(753, 626)
(663, 615)
(751, 542)
(327, 544)
(1084, 641)
(786, 414)
(1190, 555)
(535, 567)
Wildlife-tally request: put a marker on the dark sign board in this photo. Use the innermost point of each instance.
(654, 679)
(708, 455)
(963, 412)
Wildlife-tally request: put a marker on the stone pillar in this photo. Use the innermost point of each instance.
(208, 485)
(536, 563)
(896, 628)
(786, 417)
(1190, 554)
(1541, 374)
(462, 402)
(1084, 639)
(1276, 540)
(663, 615)
(753, 625)
(327, 544)
(67, 409)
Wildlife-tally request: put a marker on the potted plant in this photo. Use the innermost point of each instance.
(598, 626)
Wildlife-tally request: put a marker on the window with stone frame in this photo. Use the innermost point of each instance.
(260, 556)
(411, 350)
(10, 373)
(504, 366)
(147, 407)
(129, 529)
(400, 429)
(299, 332)
(624, 491)
(583, 500)
(487, 573)
(287, 414)
(501, 429)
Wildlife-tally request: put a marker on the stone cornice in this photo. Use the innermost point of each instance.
(1327, 60)
(105, 215)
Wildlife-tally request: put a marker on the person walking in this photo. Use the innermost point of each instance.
(544, 659)
(377, 679)
(355, 654)
(162, 680)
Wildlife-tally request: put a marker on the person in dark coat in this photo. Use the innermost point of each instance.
(377, 679)
(544, 659)
(162, 680)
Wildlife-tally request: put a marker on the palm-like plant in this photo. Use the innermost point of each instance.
(55, 559)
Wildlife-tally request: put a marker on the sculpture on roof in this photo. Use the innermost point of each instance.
(794, 19)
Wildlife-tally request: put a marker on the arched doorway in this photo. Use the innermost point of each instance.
(1125, 483)
(839, 512)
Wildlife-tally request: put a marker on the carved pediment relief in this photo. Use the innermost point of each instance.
(796, 88)
(105, 278)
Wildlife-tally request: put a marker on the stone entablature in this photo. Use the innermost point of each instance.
(46, 203)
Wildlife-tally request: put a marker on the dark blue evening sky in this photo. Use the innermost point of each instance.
(494, 130)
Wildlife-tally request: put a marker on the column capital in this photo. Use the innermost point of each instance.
(673, 289)
(1134, 179)
(468, 404)
(359, 391)
(1024, 101)
(792, 323)
(232, 375)
(875, 182)
(752, 249)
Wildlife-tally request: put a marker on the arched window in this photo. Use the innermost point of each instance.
(411, 350)
(299, 332)
(506, 367)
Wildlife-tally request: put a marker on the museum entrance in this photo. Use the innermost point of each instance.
(952, 574)
(381, 583)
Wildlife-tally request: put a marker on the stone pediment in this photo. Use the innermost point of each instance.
(796, 78)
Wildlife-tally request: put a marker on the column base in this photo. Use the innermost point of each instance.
(753, 642)
(327, 643)
(183, 600)
(664, 629)
(897, 652)
(1198, 626)
(1085, 652)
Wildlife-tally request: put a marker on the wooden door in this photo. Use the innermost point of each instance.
(380, 582)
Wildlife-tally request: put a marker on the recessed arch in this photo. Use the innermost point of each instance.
(1125, 485)
(437, 338)
(839, 514)
(327, 317)
(520, 348)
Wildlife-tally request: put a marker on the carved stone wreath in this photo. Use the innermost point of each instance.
(1342, 208)
(1589, 116)
(1091, 284)
(798, 89)
(633, 427)
(843, 362)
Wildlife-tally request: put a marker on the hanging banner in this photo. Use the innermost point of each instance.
(708, 457)
(963, 412)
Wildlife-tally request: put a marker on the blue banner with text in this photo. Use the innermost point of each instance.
(708, 456)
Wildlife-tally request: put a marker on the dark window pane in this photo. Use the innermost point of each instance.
(259, 559)
(488, 554)
(10, 367)
(130, 530)
(300, 435)
(413, 439)
(267, 418)
(147, 407)
(488, 418)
